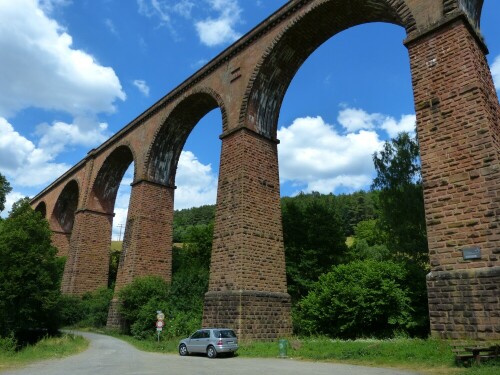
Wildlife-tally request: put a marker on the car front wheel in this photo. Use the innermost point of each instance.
(211, 352)
(183, 350)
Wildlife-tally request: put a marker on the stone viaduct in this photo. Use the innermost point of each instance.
(458, 120)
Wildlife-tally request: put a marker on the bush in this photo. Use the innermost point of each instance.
(91, 310)
(358, 299)
(70, 310)
(95, 307)
(8, 344)
(139, 302)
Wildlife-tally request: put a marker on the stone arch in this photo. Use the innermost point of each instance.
(107, 181)
(283, 58)
(171, 136)
(63, 215)
(471, 8)
(42, 208)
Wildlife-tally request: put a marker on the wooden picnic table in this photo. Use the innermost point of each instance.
(478, 352)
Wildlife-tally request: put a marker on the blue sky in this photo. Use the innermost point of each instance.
(74, 72)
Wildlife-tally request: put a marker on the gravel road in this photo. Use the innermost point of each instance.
(110, 356)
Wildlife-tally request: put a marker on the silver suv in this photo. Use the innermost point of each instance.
(211, 341)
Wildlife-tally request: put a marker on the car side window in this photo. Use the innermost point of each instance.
(206, 334)
(197, 335)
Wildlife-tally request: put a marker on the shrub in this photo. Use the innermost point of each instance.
(358, 299)
(139, 302)
(91, 310)
(95, 307)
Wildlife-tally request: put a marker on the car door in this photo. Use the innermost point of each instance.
(193, 344)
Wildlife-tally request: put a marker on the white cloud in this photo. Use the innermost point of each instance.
(196, 182)
(57, 137)
(48, 5)
(355, 119)
(142, 86)
(215, 27)
(39, 67)
(10, 199)
(23, 163)
(314, 154)
(219, 30)
(405, 124)
(164, 9)
(495, 72)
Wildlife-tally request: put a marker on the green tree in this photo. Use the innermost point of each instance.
(314, 241)
(5, 189)
(29, 277)
(359, 299)
(401, 197)
(403, 218)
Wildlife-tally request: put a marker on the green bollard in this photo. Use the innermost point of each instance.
(283, 345)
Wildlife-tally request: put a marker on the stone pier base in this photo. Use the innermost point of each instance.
(465, 304)
(252, 314)
(115, 321)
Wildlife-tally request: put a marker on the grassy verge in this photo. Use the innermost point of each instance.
(428, 356)
(47, 348)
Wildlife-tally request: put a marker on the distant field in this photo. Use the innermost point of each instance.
(116, 245)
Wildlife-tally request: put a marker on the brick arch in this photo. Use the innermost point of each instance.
(63, 215)
(107, 182)
(42, 208)
(283, 58)
(171, 136)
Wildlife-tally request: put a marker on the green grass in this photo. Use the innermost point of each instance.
(116, 245)
(47, 348)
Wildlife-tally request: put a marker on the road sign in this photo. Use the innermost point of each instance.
(160, 316)
(160, 324)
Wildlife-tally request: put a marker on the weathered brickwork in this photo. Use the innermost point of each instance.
(248, 240)
(248, 252)
(61, 241)
(87, 265)
(458, 127)
(254, 315)
(465, 303)
(458, 119)
(147, 245)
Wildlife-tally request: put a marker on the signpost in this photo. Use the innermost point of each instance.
(159, 323)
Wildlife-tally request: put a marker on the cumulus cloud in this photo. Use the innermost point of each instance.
(354, 119)
(39, 67)
(495, 72)
(22, 162)
(196, 182)
(313, 154)
(55, 138)
(142, 86)
(219, 30)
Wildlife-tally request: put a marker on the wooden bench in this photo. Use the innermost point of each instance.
(465, 353)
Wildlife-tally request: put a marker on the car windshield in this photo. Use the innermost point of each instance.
(225, 334)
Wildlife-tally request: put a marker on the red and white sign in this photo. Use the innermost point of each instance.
(160, 324)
